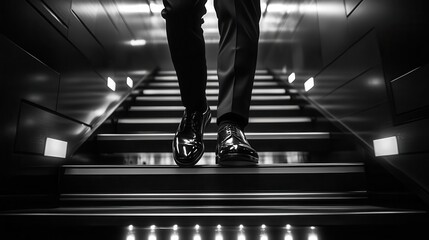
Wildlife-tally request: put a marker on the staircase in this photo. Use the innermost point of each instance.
(309, 173)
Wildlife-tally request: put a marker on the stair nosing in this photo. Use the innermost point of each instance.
(213, 136)
(212, 98)
(154, 170)
(214, 107)
(173, 120)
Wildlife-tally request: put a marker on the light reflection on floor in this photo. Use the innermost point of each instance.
(220, 232)
(166, 158)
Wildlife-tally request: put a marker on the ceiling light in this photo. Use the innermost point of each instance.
(133, 8)
(138, 42)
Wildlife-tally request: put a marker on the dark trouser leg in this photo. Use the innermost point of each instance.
(187, 48)
(238, 50)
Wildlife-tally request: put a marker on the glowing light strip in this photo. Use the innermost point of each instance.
(211, 98)
(209, 77)
(224, 214)
(192, 195)
(209, 84)
(211, 91)
(213, 120)
(213, 136)
(180, 108)
(209, 72)
(301, 168)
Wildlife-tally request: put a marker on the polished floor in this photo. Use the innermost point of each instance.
(166, 158)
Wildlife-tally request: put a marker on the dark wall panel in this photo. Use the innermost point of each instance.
(60, 8)
(86, 43)
(412, 137)
(306, 48)
(365, 17)
(402, 36)
(410, 92)
(369, 124)
(22, 77)
(60, 22)
(333, 28)
(82, 93)
(36, 124)
(414, 167)
(36, 35)
(37, 83)
(359, 58)
(99, 33)
(361, 93)
(351, 5)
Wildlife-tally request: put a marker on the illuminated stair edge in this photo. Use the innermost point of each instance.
(213, 136)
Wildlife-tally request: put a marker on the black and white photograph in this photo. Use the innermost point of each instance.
(214, 119)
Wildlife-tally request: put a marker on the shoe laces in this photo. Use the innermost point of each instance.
(231, 129)
(193, 120)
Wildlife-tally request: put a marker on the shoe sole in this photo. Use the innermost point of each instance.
(237, 160)
(180, 164)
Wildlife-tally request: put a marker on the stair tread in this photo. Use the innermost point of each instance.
(160, 120)
(293, 213)
(292, 168)
(214, 107)
(213, 136)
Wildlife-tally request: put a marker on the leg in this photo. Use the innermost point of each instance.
(187, 48)
(238, 49)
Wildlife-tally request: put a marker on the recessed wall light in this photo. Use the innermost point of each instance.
(386, 146)
(309, 84)
(130, 82)
(55, 148)
(111, 84)
(291, 78)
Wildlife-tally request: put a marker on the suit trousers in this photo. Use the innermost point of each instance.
(238, 22)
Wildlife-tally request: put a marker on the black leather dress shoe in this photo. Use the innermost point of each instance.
(233, 149)
(188, 146)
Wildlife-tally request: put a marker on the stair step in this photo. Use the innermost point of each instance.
(188, 216)
(210, 77)
(168, 84)
(212, 136)
(185, 197)
(255, 92)
(214, 107)
(139, 125)
(209, 72)
(198, 199)
(262, 98)
(177, 111)
(161, 142)
(175, 100)
(212, 100)
(213, 120)
(304, 177)
(165, 158)
(261, 141)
